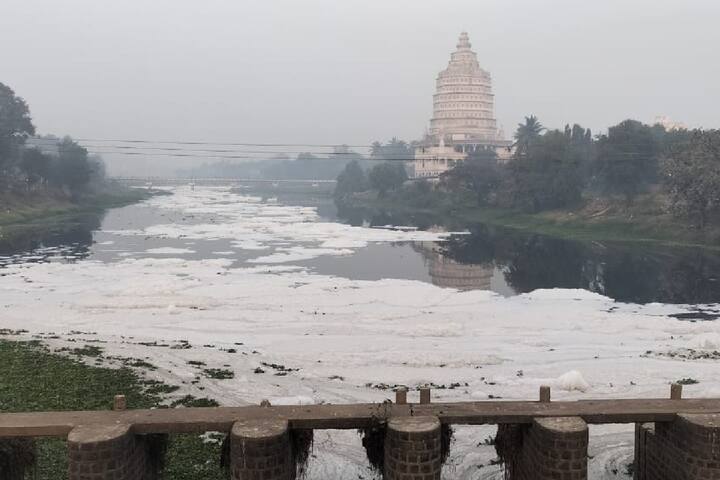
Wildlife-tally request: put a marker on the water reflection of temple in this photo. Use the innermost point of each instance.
(446, 272)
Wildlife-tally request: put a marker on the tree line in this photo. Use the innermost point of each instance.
(677, 170)
(383, 172)
(47, 163)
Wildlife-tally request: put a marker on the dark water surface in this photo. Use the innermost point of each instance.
(490, 258)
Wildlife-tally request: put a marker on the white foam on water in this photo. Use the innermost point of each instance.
(250, 224)
(572, 381)
(169, 251)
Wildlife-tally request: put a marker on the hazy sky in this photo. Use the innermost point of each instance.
(349, 71)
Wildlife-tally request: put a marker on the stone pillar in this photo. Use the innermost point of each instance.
(106, 452)
(554, 448)
(687, 448)
(260, 449)
(413, 449)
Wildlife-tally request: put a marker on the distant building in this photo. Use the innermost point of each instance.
(669, 125)
(431, 161)
(463, 115)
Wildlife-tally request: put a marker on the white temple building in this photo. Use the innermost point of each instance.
(463, 115)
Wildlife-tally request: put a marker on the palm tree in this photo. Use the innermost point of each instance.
(526, 133)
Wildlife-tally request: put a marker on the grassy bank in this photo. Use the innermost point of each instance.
(35, 379)
(607, 228)
(643, 222)
(32, 209)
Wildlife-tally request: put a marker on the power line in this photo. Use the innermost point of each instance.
(179, 149)
(223, 150)
(219, 144)
(251, 157)
(153, 148)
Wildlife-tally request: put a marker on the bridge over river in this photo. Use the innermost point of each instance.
(310, 186)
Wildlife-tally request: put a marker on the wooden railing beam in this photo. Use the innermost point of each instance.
(191, 420)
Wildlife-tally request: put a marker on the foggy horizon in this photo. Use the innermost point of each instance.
(351, 73)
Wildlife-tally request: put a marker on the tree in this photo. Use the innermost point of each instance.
(351, 180)
(547, 176)
(15, 126)
(36, 165)
(387, 176)
(480, 174)
(692, 177)
(98, 170)
(393, 150)
(627, 159)
(72, 168)
(583, 146)
(527, 133)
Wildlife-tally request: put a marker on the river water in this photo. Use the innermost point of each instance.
(353, 305)
(483, 257)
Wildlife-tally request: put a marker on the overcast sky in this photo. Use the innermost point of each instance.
(349, 71)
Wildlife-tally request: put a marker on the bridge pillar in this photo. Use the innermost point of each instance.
(547, 449)
(688, 448)
(413, 449)
(107, 452)
(17, 457)
(260, 449)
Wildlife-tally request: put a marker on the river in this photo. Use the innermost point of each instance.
(352, 306)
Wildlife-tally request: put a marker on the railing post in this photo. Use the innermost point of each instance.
(260, 449)
(676, 391)
(544, 394)
(119, 402)
(401, 396)
(413, 448)
(424, 395)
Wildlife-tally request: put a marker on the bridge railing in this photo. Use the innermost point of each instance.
(675, 438)
(216, 180)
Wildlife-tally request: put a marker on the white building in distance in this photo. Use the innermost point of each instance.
(463, 116)
(668, 123)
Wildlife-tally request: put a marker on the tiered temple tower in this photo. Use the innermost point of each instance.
(463, 116)
(463, 105)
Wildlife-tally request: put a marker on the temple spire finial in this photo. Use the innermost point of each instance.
(464, 41)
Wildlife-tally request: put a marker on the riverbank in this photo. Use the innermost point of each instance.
(70, 381)
(45, 208)
(606, 221)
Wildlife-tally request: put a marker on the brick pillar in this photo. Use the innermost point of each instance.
(687, 448)
(554, 448)
(106, 452)
(413, 449)
(261, 450)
